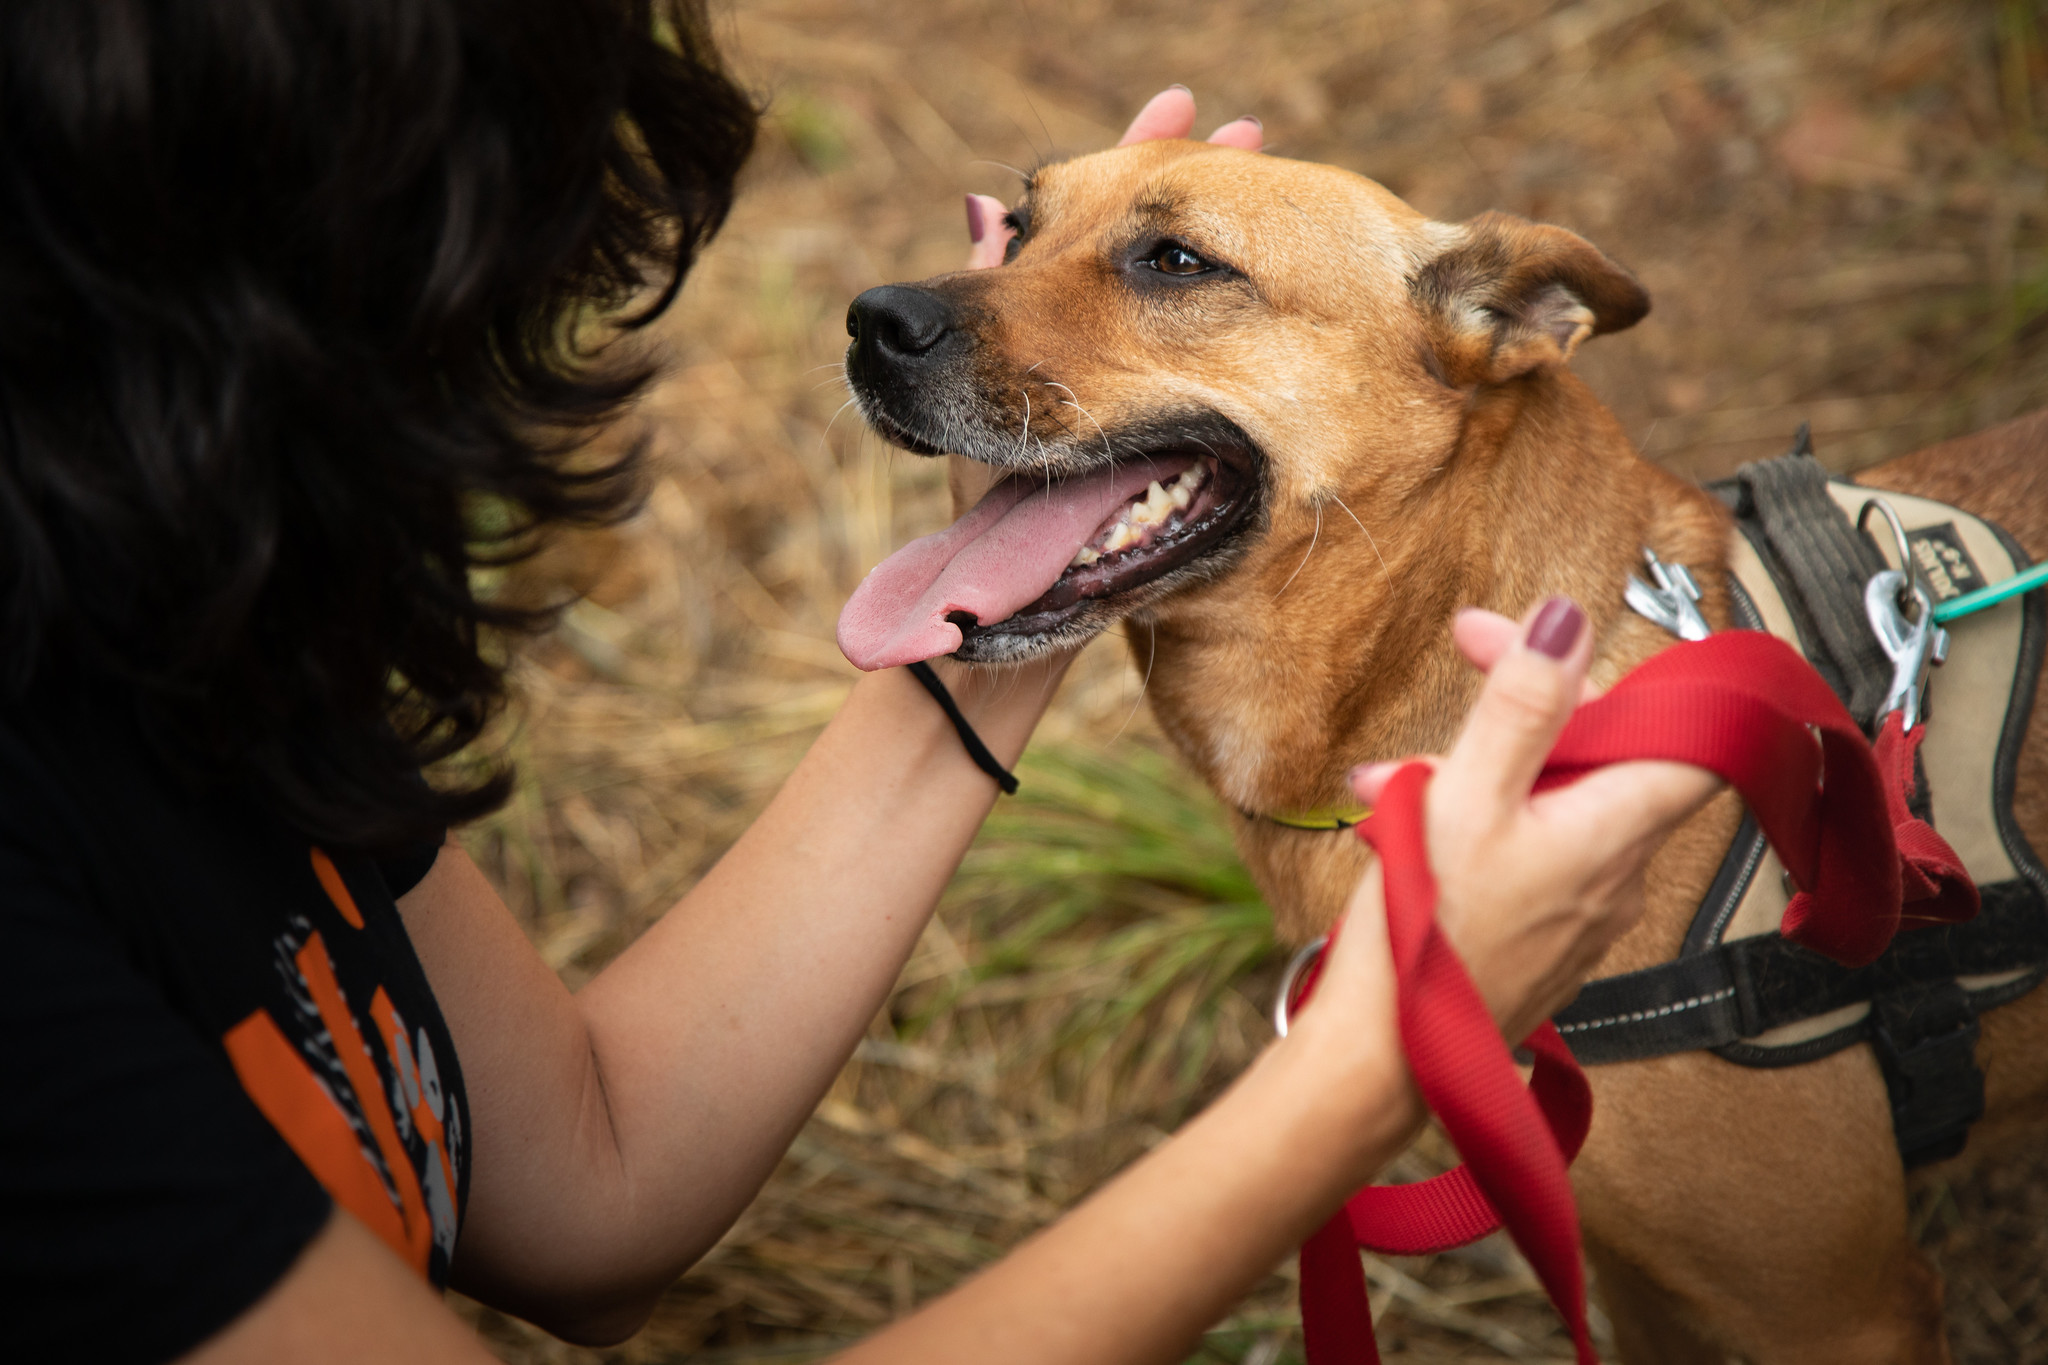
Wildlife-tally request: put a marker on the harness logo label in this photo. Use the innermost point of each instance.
(1945, 566)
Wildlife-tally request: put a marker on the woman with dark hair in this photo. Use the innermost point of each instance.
(292, 292)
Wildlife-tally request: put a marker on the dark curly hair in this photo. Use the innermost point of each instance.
(294, 299)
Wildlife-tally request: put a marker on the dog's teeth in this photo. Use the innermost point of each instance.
(1122, 535)
(1180, 494)
(1084, 556)
(1154, 509)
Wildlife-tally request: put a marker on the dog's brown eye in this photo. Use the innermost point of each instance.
(1175, 259)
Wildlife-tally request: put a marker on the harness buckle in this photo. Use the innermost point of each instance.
(1914, 646)
(1925, 1038)
(1673, 603)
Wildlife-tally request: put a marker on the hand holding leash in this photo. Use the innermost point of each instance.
(1535, 887)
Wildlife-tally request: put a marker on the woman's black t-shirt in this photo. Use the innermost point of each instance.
(211, 1030)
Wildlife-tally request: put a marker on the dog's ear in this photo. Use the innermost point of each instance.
(1508, 296)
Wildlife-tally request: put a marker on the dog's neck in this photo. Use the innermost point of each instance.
(1274, 688)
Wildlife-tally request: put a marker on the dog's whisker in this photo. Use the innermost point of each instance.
(999, 165)
(1318, 535)
(835, 419)
(1072, 400)
(1144, 683)
(1386, 572)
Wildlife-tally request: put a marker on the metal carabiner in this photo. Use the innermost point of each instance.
(1283, 1007)
(1673, 603)
(1914, 646)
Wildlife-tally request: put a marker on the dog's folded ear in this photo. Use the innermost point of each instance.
(1508, 296)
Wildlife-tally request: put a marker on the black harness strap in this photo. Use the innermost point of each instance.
(1925, 1038)
(1712, 1000)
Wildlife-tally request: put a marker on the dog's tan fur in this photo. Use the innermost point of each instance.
(1427, 448)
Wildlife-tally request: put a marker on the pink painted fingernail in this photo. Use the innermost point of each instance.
(976, 229)
(1252, 119)
(1182, 88)
(1556, 627)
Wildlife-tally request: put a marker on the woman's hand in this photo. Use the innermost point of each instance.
(1532, 889)
(1168, 114)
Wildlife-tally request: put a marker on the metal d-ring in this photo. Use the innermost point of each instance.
(1910, 594)
(1296, 965)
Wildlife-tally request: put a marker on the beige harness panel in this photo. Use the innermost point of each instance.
(1966, 703)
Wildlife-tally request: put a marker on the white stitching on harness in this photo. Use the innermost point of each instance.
(1639, 1015)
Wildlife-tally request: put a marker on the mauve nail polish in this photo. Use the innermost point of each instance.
(1556, 628)
(975, 229)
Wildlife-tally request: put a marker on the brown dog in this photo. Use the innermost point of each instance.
(1358, 421)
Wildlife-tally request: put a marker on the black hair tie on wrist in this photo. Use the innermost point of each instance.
(976, 750)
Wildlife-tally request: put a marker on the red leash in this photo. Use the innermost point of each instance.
(1743, 705)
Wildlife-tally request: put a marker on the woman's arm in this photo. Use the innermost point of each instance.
(1531, 890)
(619, 1132)
(1139, 1270)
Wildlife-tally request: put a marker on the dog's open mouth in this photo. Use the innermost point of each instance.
(1033, 554)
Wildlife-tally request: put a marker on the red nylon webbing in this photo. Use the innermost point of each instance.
(1744, 706)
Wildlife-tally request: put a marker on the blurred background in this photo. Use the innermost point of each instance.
(1838, 207)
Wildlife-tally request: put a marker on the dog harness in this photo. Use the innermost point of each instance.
(1782, 713)
(1799, 569)
(1743, 705)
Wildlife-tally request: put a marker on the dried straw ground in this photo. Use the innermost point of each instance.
(1839, 210)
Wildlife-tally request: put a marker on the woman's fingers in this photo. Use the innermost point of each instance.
(988, 234)
(1627, 803)
(1246, 134)
(1170, 113)
(1368, 780)
(1529, 695)
(1483, 637)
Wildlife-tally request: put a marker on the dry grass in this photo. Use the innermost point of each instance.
(1839, 209)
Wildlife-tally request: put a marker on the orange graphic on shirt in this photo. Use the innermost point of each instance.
(336, 888)
(285, 1089)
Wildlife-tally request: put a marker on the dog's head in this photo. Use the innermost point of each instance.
(1189, 350)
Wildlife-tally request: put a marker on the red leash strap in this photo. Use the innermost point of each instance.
(1936, 888)
(1742, 705)
(1515, 1139)
(1745, 706)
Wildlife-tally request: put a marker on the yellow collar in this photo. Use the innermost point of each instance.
(1330, 818)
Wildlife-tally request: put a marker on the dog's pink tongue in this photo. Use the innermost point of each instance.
(1003, 554)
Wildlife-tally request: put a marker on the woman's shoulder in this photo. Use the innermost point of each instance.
(282, 958)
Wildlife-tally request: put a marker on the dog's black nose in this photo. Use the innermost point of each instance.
(899, 321)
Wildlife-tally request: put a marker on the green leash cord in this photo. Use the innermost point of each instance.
(1993, 595)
